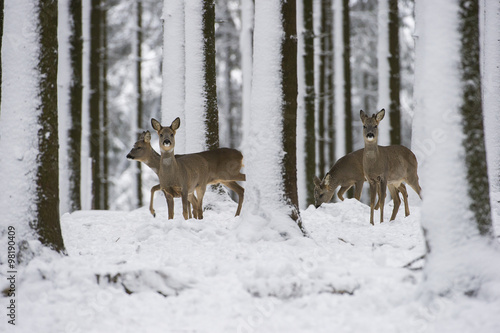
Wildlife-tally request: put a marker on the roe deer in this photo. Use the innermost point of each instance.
(143, 152)
(386, 165)
(224, 166)
(346, 172)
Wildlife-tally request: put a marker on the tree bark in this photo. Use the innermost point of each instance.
(472, 113)
(210, 86)
(94, 102)
(289, 106)
(394, 73)
(75, 102)
(47, 184)
(347, 76)
(309, 99)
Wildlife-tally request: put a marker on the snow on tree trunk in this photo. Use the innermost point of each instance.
(384, 99)
(450, 216)
(174, 64)
(491, 86)
(267, 145)
(339, 83)
(246, 47)
(29, 142)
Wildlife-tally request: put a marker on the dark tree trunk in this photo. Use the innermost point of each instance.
(347, 76)
(211, 111)
(48, 224)
(289, 86)
(321, 91)
(75, 102)
(329, 64)
(309, 97)
(138, 75)
(105, 116)
(394, 73)
(472, 113)
(94, 102)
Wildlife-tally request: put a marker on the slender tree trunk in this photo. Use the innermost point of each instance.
(48, 225)
(246, 46)
(94, 102)
(347, 76)
(138, 97)
(394, 73)
(75, 102)
(321, 89)
(309, 97)
(472, 113)
(329, 70)
(104, 108)
(210, 86)
(289, 90)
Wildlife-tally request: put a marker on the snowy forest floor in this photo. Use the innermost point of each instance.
(130, 272)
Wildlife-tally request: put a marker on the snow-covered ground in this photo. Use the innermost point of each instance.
(130, 272)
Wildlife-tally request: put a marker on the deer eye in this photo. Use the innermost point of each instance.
(364, 126)
(375, 126)
(172, 135)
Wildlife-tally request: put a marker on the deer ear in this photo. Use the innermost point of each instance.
(156, 124)
(176, 124)
(141, 136)
(316, 181)
(147, 136)
(380, 115)
(362, 115)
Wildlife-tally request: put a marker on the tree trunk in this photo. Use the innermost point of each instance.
(309, 99)
(47, 225)
(456, 216)
(347, 76)
(394, 73)
(1, 37)
(289, 106)
(138, 96)
(321, 90)
(210, 86)
(75, 103)
(104, 107)
(95, 103)
(472, 114)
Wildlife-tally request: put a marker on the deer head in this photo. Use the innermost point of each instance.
(142, 147)
(323, 191)
(370, 131)
(166, 134)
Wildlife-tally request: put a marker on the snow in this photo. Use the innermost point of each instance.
(207, 276)
(19, 118)
(173, 69)
(384, 100)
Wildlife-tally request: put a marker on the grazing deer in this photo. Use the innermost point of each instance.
(224, 167)
(143, 152)
(346, 172)
(386, 165)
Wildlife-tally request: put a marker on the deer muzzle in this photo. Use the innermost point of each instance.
(370, 136)
(167, 143)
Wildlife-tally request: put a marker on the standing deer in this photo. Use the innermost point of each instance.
(184, 175)
(386, 165)
(346, 172)
(224, 166)
(143, 152)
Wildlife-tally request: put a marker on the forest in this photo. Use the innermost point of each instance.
(262, 100)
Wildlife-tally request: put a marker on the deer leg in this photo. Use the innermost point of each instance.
(341, 192)
(402, 189)
(383, 189)
(395, 199)
(185, 204)
(373, 193)
(200, 193)
(194, 203)
(239, 190)
(377, 206)
(153, 190)
(359, 189)
(170, 204)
